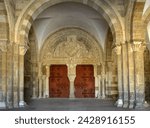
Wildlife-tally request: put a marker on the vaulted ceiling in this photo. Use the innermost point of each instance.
(70, 15)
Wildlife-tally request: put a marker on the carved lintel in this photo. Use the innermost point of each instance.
(3, 45)
(117, 49)
(23, 49)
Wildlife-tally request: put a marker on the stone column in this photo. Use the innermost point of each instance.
(131, 76)
(139, 84)
(4, 80)
(9, 100)
(99, 87)
(15, 75)
(72, 88)
(47, 81)
(3, 51)
(96, 81)
(125, 76)
(119, 69)
(22, 51)
(40, 86)
(44, 86)
(109, 78)
(35, 81)
(103, 86)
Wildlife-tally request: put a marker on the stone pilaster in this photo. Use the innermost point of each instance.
(22, 51)
(117, 49)
(125, 76)
(139, 83)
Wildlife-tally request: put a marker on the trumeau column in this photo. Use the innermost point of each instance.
(119, 69)
(22, 51)
(139, 85)
(71, 75)
(3, 51)
(125, 76)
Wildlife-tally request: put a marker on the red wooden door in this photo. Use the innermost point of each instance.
(84, 81)
(59, 82)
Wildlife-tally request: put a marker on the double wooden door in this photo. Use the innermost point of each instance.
(84, 84)
(84, 81)
(58, 82)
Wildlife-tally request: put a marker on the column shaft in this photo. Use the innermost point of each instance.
(22, 51)
(9, 101)
(119, 69)
(15, 76)
(125, 76)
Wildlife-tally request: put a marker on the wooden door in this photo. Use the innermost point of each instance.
(58, 82)
(84, 81)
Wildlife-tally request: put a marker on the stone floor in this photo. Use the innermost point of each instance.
(73, 105)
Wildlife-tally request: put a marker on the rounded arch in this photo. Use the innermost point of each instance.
(57, 45)
(35, 7)
(11, 19)
(146, 16)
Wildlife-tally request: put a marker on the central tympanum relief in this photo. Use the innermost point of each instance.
(73, 47)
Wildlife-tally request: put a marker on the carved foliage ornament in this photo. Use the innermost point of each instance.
(23, 49)
(117, 50)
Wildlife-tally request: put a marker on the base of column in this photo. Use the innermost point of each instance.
(22, 104)
(71, 96)
(131, 105)
(119, 103)
(2, 105)
(125, 105)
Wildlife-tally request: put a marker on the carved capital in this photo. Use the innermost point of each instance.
(136, 45)
(3, 45)
(117, 50)
(23, 49)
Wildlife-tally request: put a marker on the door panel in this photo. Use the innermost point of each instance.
(59, 82)
(85, 81)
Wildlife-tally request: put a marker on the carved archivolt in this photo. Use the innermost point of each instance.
(71, 46)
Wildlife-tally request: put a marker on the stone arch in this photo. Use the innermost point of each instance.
(61, 36)
(146, 16)
(11, 18)
(35, 7)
